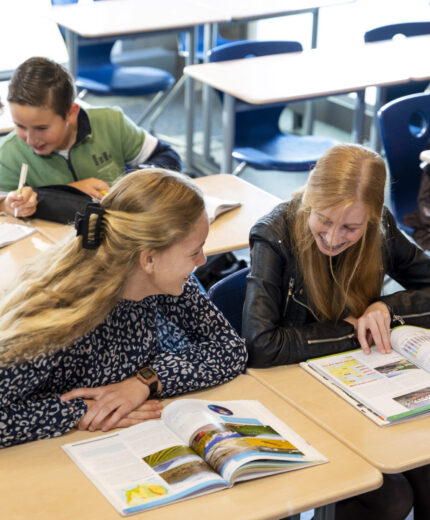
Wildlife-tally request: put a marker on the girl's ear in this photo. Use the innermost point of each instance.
(147, 260)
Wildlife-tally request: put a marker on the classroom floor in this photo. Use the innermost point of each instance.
(171, 127)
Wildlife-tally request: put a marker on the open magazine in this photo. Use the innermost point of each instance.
(197, 447)
(387, 388)
(216, 206)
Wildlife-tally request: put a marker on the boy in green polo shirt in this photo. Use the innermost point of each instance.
(63, 144)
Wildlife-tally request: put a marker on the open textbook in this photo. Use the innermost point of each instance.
(11, 232)
(216, 206)
(197, 447)
(387, 388)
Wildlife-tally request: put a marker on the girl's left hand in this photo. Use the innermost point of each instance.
(374, 327)
(110, 405)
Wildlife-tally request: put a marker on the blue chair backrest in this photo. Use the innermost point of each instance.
(405, 131)
(252, 120)
(229, 295)
(387, 32)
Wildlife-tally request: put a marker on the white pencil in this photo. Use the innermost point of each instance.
(22, 179)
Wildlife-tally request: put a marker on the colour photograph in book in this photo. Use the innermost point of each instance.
(396, 386)
(197, 447)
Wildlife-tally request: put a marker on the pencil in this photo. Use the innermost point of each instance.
(21, 182)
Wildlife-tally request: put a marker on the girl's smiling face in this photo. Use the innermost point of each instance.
(336, 229)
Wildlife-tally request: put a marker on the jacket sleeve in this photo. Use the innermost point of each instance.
(268, 341)
(28, 414)
(408, 265)
(164, 156)
(200, 349)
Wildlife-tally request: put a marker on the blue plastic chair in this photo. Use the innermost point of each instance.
(229, 295)
(404, 124)
(386, 94)
(258, 140)
(97, 74)
(387, 32)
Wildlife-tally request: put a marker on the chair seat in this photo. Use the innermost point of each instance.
(285, 152)
(123, 81)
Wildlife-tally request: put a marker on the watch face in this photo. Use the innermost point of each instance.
(147, 373)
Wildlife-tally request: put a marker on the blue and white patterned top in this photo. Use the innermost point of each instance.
(185, 339)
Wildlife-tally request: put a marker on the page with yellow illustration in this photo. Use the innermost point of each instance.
(196, 447)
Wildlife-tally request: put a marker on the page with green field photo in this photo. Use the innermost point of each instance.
(240, 440)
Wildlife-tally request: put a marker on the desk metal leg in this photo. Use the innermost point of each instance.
(72, 49)
(359, 116)
(228, 124)
(325, 512)
(375, 138)
(308, 124)
(210, 32)
(189, 101)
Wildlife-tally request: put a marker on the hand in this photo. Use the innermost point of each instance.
(95, 188)
(112, 404)
(25, 203)
(374, 327)
(150, 409)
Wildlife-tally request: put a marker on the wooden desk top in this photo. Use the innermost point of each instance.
(230, 231)
(391, 449)
(115, 18)
(316, 72)
(40, 482)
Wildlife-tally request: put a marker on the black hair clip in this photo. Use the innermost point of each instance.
(82, 223)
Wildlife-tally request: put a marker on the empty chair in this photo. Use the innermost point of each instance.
(258, 140)
(96, 73)
(404, 124)
(386, 94)
(229, 295)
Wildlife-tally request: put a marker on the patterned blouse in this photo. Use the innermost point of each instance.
(185, 339)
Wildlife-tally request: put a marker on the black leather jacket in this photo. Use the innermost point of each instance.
(278, 325)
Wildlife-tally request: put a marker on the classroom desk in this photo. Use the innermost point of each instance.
(229, 232)
(39, 481)
(102, 21)
(14, 256)
(310, 74)
(391, 449)
(251, 10)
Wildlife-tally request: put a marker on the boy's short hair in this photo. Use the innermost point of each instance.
(41, 82)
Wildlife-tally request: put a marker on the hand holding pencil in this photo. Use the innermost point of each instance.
(23, 201)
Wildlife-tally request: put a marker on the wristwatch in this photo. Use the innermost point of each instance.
(149, 377)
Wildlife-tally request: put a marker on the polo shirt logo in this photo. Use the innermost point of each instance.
(101, 159)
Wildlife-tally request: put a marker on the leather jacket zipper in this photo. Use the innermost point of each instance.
(305, 306)
(290, 292)
(327, 340)
(401, 319)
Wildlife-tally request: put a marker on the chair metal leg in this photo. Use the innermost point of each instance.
(155, 101)
(177, 87)
(239, 168)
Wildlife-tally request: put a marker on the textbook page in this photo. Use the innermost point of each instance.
(388, 384)
(216, 206)
(10, 232)
(143, 466)
(413, 343)
(240, 440)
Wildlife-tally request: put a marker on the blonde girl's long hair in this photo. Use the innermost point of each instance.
(344, 175)
(69, 290)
